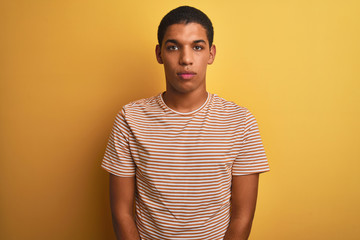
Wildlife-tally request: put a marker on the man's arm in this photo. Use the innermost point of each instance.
(243, 199)
(122, 193)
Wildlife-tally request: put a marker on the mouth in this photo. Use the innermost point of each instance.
(186, 75)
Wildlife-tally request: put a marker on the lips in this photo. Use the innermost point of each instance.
(186, 75)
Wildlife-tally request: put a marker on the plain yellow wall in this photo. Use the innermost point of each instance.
(66, 68)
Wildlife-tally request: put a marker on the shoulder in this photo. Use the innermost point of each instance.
(224, 106)
(231, 112)
(144, 102)
(234, 115)
(146, 108)
(141, 105)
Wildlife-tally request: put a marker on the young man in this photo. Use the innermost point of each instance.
(188, 158)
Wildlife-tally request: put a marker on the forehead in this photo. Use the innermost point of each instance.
(186, 33)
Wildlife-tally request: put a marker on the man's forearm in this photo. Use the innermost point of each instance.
(243, 202)
(125, 228)
(239, 229)
(122, 190)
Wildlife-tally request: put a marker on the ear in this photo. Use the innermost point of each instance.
(212, 54)
(158, 54)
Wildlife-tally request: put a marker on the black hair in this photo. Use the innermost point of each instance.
(185, 15)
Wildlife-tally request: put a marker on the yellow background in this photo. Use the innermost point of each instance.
(66, 68)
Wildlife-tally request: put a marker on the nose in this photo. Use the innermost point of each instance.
(186, 57)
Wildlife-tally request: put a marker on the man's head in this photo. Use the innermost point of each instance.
(185, 15)
(185, 49)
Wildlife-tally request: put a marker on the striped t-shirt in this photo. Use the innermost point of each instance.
(184, 163)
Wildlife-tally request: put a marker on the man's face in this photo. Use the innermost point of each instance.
(185, 54)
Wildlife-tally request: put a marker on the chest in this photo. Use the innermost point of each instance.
(185, 145)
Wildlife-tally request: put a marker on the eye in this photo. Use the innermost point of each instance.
(198, 48)
(172, 48)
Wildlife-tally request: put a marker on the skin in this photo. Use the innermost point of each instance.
(122, 195)
(185, 48)
(185, 54)
(243, 200)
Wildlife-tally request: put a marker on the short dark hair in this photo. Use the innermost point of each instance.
(185, 15)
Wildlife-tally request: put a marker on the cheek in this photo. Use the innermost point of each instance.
(169, 69)
(203, 59)
(170, 63)
(204, 63)
(167, 66)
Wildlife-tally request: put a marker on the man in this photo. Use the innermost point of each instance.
(188, 158)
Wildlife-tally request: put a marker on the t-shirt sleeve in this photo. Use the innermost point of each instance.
(251, 157)
(117, 159)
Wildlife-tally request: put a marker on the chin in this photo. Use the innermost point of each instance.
(184, 87)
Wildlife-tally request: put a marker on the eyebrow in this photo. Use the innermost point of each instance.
(176, 42)
(200, 41)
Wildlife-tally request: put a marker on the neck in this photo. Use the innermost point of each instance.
(185, 102)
